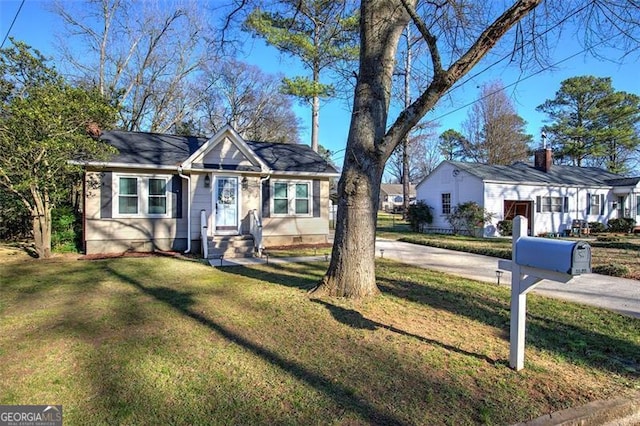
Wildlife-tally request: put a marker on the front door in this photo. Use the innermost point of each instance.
(513, 208)
(226, 202)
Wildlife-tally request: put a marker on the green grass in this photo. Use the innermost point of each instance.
(160, 340)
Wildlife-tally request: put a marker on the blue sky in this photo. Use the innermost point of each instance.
(36, 26)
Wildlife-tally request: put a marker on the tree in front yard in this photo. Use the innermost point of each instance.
(458, 34)
(43, 124)
(468, 217)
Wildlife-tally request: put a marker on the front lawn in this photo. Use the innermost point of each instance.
(166, 341)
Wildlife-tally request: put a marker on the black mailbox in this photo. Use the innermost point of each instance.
(567, 257)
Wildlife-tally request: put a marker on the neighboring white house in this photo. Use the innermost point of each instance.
(391, 196)
(550, 196)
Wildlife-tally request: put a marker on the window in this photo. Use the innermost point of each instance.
(128, 196)
(302, 198)
(552, 204)
(280, 198)
(595, 204)
(446, 203)
(141, 196)
(292, 198)
(157, 196)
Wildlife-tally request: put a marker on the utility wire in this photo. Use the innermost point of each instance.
(11, 26)
(519, 80)
(510, 54)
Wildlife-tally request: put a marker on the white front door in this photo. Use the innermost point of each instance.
(226, 204)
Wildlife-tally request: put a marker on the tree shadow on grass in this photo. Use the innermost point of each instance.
(342, 395)
(303, 275)
(355, 319)
(575, 342)
(572, 341)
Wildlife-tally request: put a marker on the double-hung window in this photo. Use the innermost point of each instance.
(157, 196)
(552, 204)
(141, 196)
(128, 196)
(292, 198)
(595, 204)
(446, 203)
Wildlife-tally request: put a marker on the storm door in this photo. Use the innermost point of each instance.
(226, 202)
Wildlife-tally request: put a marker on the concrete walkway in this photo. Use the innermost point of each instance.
(617, 294)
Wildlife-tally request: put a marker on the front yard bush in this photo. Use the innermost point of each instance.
(623, 225)
(611, 269)
(467, 217)
(597, 227)
(65, 229)
(419, 214)
(505, 227)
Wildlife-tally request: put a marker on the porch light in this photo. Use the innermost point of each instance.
(207, 181)
(245, 183)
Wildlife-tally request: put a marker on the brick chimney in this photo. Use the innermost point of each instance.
(542, 159)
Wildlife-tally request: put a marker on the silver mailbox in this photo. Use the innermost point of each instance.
(568, 257)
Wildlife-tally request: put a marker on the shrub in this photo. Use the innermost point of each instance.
(505, 227)
(608, 238)
(612, 269)
(418, 215)
(467, 216)
(597, 227)
(65, 229)
(623, 225)
(15, 219)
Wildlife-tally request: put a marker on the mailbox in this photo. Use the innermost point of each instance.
(567, 257)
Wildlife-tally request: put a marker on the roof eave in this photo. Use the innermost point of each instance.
(116, 165)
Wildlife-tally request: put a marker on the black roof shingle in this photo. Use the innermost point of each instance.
(171, 150)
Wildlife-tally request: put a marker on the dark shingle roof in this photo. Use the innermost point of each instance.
(151, 148)
(171, 150)
(524, 173)
(287, 157)
(628, 181)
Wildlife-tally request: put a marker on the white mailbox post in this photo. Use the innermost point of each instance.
(535, 259)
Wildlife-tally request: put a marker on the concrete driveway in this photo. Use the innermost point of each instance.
(617, 294)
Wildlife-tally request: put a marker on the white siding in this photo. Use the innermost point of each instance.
(464, 187)
(444, 179)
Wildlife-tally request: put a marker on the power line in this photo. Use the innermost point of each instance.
(510, 54)
(11, 26)
(519, 80)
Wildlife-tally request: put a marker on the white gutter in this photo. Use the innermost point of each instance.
(188, 178)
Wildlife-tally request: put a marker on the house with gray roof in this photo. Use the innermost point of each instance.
(391, 196)
(554, 198)
(220, 196)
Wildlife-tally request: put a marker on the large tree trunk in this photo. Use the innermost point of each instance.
(352, 269)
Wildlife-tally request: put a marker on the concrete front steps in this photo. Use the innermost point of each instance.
(232, 246)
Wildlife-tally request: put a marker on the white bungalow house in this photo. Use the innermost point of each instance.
(223, 196)
(550, 196)
(391, 196)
